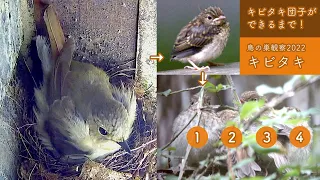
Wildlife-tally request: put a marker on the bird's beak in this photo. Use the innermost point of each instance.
(220, 18)
(125, 146)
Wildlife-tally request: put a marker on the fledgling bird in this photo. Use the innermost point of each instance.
(291, 155)
(213, 122)
(202, 39)
(79, 114)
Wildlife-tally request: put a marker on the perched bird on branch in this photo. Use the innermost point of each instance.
(290, 155)
(203, 39)
(213, 121)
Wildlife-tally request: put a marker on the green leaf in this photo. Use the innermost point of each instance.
(249, 108)
(257, 148)
(171, 148)
(210, 87)
(166, 93)
(293, 173)
(265, 89)
(271, 177)
(214, 89)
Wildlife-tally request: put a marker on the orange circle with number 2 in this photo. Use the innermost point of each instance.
(231, 137)
(300, 136)
(197, 137)
(266, 137)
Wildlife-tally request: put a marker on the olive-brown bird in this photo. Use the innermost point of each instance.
(79, 114)
(203, 39)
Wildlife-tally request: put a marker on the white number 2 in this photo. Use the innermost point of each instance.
(233, 135)
(299, 137)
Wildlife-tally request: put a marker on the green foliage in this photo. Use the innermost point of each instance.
(215, 88)
(271, 177)
(171, 148)
(249, 108)
(166, 93)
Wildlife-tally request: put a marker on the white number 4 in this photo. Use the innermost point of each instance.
(299, 137)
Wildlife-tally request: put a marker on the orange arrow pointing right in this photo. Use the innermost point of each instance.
(158, 57)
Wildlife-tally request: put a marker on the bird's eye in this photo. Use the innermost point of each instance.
(103, 131)
(255, 99)
(209, 17)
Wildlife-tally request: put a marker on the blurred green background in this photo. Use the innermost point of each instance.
(174, 14)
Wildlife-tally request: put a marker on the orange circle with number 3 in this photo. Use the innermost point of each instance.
(231, 137)
(197, 137)
(300, 136)
(266, 137)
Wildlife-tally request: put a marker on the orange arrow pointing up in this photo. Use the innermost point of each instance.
(158, 57)
(202, 79)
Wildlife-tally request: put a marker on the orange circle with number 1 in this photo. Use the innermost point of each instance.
(300, 136)
(266, 137)
(231, 137)
(197, 137)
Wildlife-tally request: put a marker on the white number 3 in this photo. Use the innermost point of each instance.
(267, 135)
(299, 137)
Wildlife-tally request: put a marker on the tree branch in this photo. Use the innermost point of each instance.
(278, 99)
(184, 160)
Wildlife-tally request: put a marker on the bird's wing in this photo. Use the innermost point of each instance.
(192, 38)
(63, 130)
(61, 69)
(247, 169)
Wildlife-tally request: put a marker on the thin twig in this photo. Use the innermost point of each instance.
(236, 102)
(278, 99)
(176, 136)
(236, 99)
(182, 90)
(184, 161)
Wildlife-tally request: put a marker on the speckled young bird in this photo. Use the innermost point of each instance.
(291, 155)
(203, 39)
(214, 122)
(79, 114)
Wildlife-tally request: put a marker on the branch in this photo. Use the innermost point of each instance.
(176, 136)
(184, 160)
(236, 99)
(182, 90)
(278, 99)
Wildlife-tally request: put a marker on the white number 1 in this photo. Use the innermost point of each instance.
(197, 137)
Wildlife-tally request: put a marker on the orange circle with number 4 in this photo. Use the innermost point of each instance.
(197, 137)
(231, 137)
(300, 136)
(266, 137)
